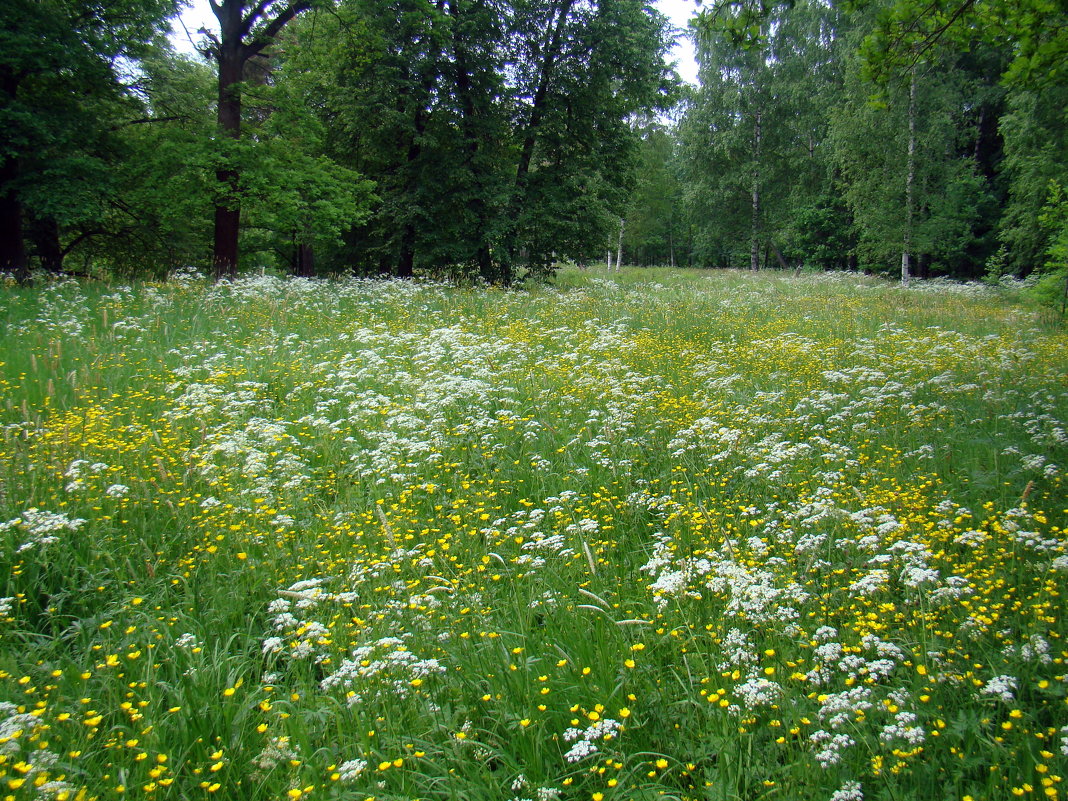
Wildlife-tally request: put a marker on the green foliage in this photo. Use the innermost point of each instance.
(753, 134)
(495, 140)
(871, 145)
(654, 232)
(821, 235)
(1051, 287)
(907, 30)
(792, 151)
(743, 23)
(161, 211)
(496, 135)
(62, 98)
(1036, 153)
(292, 191)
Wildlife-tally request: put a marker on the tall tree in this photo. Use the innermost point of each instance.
(574, 188)
(752, 129)
(59, 92)
(246, 30)
(295, 197)
(1036, 156)
(654, 212)
(156, 212)
(497, 132)
(913, 182)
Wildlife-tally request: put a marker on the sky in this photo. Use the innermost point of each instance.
(680, 12)
(198, 15)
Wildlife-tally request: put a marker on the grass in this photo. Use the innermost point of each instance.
(654, 534)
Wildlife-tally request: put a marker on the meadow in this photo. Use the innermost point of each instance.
(650, 535)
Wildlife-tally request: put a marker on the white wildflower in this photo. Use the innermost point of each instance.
(41, 528)
(850, 791)
(1003, 687)
(758, 692)
(351, 770)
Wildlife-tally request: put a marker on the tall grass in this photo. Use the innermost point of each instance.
(648, 535)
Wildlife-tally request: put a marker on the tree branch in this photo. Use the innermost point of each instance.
(266, 36)
(929, 38)
(83, 236)
(212, 50)
(253, 15)
(147, 120)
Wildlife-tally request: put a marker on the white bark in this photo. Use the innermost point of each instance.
(910, 178)
(619, 245)
(754, 239)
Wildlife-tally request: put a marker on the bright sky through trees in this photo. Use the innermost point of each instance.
(198, 15)
(680, 12)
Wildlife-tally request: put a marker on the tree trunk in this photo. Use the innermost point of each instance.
(231, 52)
(12, 246)
(550, 50)
(619, 245)
(228, 207)
(45, 235)
(754, 238)
(406, 257)
(304, 256)
(910, 177)
(465, 92)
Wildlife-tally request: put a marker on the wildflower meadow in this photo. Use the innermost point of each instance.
(658, 535)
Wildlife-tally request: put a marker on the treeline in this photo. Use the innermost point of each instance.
(494, 139)
(926, 139)
(444, 137)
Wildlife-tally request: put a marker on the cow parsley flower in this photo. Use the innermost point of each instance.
(850, 791)
(1002, 687)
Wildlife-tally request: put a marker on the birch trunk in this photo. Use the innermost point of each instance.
(910, 177)
(619, 245)
(754, 239)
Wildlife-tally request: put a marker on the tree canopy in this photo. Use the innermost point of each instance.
(495, 140)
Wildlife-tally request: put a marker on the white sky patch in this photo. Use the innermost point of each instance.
(680, 12)
(197, 14)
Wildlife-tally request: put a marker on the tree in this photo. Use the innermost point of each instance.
(297, 198)
(60, 92)
(156, 212)
(654, 212)
(753, 133)
(574, 189)
(1036, 155)
(907, 31)
(909, 160)
(1052, 287)
(246, 30)
(497, 133)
